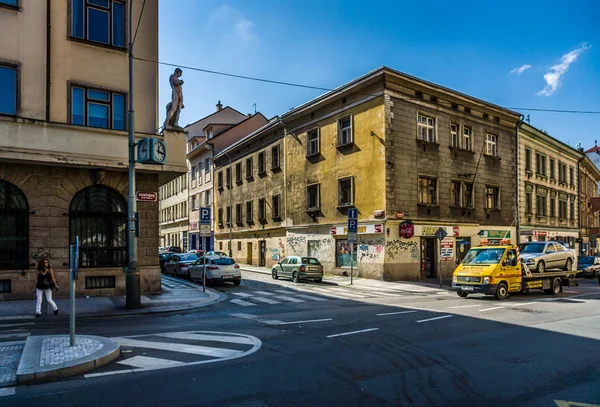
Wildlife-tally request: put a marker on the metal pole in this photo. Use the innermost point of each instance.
(133, 274)
(204, 272)
(351, 262)
(440, 262)
(72, 311)
(230, 203)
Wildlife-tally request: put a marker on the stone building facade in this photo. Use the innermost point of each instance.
(589, 215)
(173, 213)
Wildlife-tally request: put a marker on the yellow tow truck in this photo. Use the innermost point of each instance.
(497, 270)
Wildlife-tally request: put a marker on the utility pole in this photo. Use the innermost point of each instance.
(133, 274)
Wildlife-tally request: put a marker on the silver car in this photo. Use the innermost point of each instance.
(218, 269)
(298, 268)
(542, 256)
(179, 263)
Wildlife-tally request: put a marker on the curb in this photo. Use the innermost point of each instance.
(29, 370)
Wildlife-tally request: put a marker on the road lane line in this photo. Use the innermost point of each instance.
(396, 313)
(204, 337)
(180, 347)
(353, 332)
(243, 294)
(310, 297)
(145, 362)
(527, 303)
(266, 300)
(242, 303)
(489, 309)
(436, 318)
(465, 306)
(304, 322)
(256, 318)
(16, 335)
(286, 298)
(385, 294)
(263, 293)
(8, 391)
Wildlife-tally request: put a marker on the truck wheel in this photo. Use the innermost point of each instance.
(569, 265)
(541, 267)
(502, 291)
(462, 294)
(556, 287)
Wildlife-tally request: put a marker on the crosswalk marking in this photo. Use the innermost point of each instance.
(203, 337)
(242, 294)
(266, 300)
(263, 293)
(15, 335)
(385, 294)
(287, 298)
(180, 347)
(337, 293)
(489, 309)
(311, 297)
(145, 362)
(242, 303)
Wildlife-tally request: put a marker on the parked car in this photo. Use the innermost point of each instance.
(164, 257)
(218, 269)
(179, 264)
(174, 249)
(542, 256)
(589, 266)
(298, 268)
(198, 253)
(213, 254)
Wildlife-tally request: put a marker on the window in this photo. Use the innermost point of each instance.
(528, 160)
(5, 287)
(207, 197)
(454, 135)
(528, 203)
(207, 165)
(275, 207)
(562, 172)
(249, 168)
(540, 164)
(428, 190)
(100, 282)
(194, 202)
(492, 197)
(572, 210)
(275, 157)
(346, 192)
(239, 247)
(262, 209)
(101, 21)
(312, 197)
(312, 142)
(8, 84)
(553, 207)
(238, 172)
(220, 180)
(541, 205)
(572, 176)
(426, 128)
(14, 227)
(262, 165)
(249, 212)
(220, 217)
(238, 213)
(14, 3)
(228, 177)
(342, 253)
(455, 193)
(467, 139)
(94, 107)
(98, 215)
(344, 131)
(468, 195)
(220, 245)
(552, 169)
(193, 172)
(562, 209)
(491, 145)
(228, 215)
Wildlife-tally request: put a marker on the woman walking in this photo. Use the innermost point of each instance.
(45, 284)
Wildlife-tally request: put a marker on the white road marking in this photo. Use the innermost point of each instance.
(263, 293)
(304, 322)
(385, 294)
(266, 300)
(396, 313)
(527, 303)
(436, 318)
(21, 324)
(8, 391)
(242, 303)
(255, 318)
(489, 309)
(243, 294)
(337, 293)
(11, 336)
(465, 306)
(310, 297)
(180, 347)
(286, 298)
(210, 338)
(353, 332)
(145, 362)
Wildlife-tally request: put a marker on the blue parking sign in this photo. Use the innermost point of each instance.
(353, 213)
(205, 216)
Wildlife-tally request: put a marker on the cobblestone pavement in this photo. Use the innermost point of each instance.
(56, 350)
(9, 362)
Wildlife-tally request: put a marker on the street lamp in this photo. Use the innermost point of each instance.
(209, 147)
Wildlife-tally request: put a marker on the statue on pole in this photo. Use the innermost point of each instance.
(176, 104)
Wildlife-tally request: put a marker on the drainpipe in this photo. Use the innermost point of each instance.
(579, 199)
(48, 59)
(518, 178)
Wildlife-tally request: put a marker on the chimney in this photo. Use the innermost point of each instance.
(249, 114)
(219, 106)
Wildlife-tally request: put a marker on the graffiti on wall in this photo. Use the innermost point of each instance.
(39, 254)
(402, 250)
(296, 242)
(371, 250)
(281, 247)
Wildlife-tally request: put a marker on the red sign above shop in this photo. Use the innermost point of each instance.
(378, 228)
(407, 229)
(147, 196)
(456, 231)
(333, 230)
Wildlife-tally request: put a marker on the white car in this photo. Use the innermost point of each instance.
(218, 269)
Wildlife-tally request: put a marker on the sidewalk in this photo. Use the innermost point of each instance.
(177, 295)
(429, 285)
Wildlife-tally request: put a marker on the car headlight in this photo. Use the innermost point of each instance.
(486, 280)
(530, 261)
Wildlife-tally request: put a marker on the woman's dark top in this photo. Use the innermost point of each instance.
(43, 280)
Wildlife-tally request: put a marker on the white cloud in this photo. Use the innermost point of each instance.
(520, 69)
(554, 75)
(245, 29)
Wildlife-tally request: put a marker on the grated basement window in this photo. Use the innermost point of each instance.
(100, 282)
(5, 287)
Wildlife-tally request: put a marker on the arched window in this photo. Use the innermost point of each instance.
(98, 215)
(14, 227)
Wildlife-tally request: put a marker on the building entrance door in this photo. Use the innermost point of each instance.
(249, 253)
(262, 253)
(428, 256)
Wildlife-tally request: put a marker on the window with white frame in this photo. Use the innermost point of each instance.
(491, 145)
(193, 172)
(207, 201)
(312, 142)
(346, 192)
(426, 128)
(312, 197)
(492, 197)
(9, 86)
(455, 193)
(454, 135)
(193, 203)
(207, 165)
(428, 190)
(99, 21)
(467, 139)
(344, 131)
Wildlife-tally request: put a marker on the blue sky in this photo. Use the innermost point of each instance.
(470, 46)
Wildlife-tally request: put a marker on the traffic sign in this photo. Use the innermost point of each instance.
(351, 237)
(352, 224)
(441, 233)
(353, 213)
(205, 215)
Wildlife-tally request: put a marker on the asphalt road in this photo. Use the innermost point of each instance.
(271, 344)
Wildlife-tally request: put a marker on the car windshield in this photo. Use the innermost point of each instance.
(187, 257)
(224, 261)
(483, 256)
(532, 248)
(165, 255)
(586, 260)
(310, 260)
